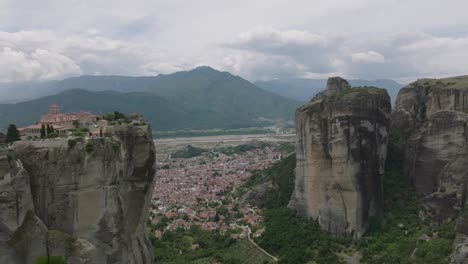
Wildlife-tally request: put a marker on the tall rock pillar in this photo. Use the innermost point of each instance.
(341, 149)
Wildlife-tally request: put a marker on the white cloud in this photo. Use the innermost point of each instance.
(38, 65)
(257, 39)
(45, 55)
(367, 57)
(276, 38)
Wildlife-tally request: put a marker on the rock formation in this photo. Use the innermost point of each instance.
(460, 254)
(341, 150)
(86, 200)
(432, 116)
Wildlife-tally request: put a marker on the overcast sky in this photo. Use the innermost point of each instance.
(256, 39)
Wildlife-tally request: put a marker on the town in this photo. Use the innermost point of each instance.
(198, 191)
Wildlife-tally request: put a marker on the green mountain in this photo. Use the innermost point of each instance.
(207, 89)
(197, 99)
(303, 90)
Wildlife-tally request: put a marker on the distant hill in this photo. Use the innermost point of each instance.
(304, 89)
(201, 98)
(36, 89)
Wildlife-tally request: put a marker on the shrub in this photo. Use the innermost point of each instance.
(78, 134)
(50, 260)
(71, 143)
(53, 135)
(115, 146)
(89, 147)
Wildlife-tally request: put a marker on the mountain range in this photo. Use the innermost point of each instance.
(198, 99)
(201, 98)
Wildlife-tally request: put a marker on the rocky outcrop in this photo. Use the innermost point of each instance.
(335, 85)
(85, 200)
(341, 150)
(432, 117)
(257, 195)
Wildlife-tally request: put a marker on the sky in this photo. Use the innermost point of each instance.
(256, 39)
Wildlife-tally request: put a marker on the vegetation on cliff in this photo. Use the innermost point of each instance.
(400, 238)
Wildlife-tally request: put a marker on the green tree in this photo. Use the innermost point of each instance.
(43, 131)
(50, 129)
(50, 260)
(12, 134)
(119, 115)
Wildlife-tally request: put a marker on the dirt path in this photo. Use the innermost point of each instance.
(256, 245)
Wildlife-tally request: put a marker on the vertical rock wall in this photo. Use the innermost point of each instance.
(86, 200)
(432, 116)
(341, 150)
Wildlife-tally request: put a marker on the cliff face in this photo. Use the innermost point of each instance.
(86, 200)
(432, 116)
(341, 150)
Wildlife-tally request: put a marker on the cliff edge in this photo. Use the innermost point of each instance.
(85, 200)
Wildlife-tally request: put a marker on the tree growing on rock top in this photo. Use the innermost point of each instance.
(12, 134)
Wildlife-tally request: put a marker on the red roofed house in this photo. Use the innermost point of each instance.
(56, 118)
(35, 130)
(61, 122)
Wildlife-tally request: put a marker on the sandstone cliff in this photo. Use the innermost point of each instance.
(432, 116)
(85, 199)
(341, 150)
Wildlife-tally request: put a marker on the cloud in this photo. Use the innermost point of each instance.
(37, 65)
(313, 52)
(313, 55)
(368, 57)
(255, 65)
(46, 55)
(259, 39)
(270, 38)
